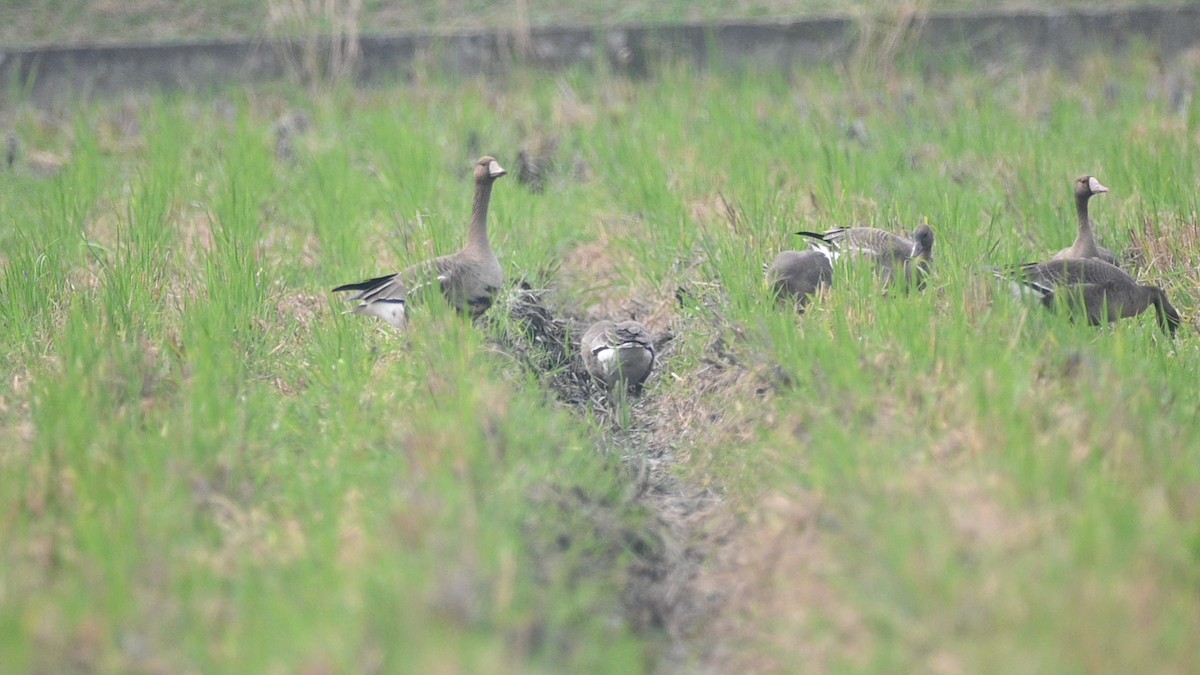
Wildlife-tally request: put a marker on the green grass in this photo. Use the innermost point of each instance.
(206, 466)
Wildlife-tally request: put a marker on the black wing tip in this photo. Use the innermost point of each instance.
(364, 285)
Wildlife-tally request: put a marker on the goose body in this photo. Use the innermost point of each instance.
(1085, 246)
(1089, 286)
(468, 279)
(800, 274)
(892, 253)
(618, 352)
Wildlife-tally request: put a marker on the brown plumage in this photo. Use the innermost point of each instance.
(618, 352)
(1085, 246)
(891, 252)
(469, 279)
(798, 275)
(1091, 287)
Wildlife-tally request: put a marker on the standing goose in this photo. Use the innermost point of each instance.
(469, 279)
(1085, 242)
(889, 251)
(800, 274)
(1102, 292)
(616, 353)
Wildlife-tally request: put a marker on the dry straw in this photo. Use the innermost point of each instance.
(318, 40)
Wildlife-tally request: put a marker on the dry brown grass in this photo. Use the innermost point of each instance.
(592, 270)
(326, 32)
(773, 573)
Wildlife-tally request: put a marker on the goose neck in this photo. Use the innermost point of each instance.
(1167, 315)
(478, 236)
(1081, 210)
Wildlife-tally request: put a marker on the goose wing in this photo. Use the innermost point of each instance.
(630, 334)
(1073, 271)
(868, 241)
(605, 337)
(387, 287)
(881, 243)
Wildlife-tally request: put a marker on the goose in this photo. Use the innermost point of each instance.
(618, 352)
(889, 251)
(800, 274)
(469, 279)
(1099, 290)
(1085, 242)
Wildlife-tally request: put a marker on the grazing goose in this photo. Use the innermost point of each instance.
(1103, 292)
(889, 251)
(618, 352)
(1085, 242)
(469, 278)
(800, 274)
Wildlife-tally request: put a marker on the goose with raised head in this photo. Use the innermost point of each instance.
(469, 279)
(1091, 287)
(618, 352)
(1085, 246)
(892, 253)
(799, 275)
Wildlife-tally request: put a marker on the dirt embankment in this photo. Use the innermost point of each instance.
(52, 75)
(663, 440)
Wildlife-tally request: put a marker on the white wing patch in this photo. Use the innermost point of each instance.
(830, 252)
(605, 355)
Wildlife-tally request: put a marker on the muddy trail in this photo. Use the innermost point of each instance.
(687, 524)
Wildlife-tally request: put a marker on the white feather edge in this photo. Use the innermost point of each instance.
(1023, 288)
(830, 251)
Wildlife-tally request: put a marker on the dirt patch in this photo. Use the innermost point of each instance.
(670, 546)
(717, 398)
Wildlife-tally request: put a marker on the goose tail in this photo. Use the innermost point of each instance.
(820, 244)
(369, 284)
(813, 235)
(392, 311)
(1022, 287)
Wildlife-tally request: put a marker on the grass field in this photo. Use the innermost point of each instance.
(206, 467)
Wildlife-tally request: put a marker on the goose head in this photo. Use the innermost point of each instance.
(1168, 317)
(1086, 186)
(487, 169)
(923, 242)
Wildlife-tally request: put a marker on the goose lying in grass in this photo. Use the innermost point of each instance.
(469, 279)
(1091, 287)
(891, 252)
(1085, 242)
(616, 353)
(800, 274)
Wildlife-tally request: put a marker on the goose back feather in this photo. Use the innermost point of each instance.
(618, 352)
(892, 253)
